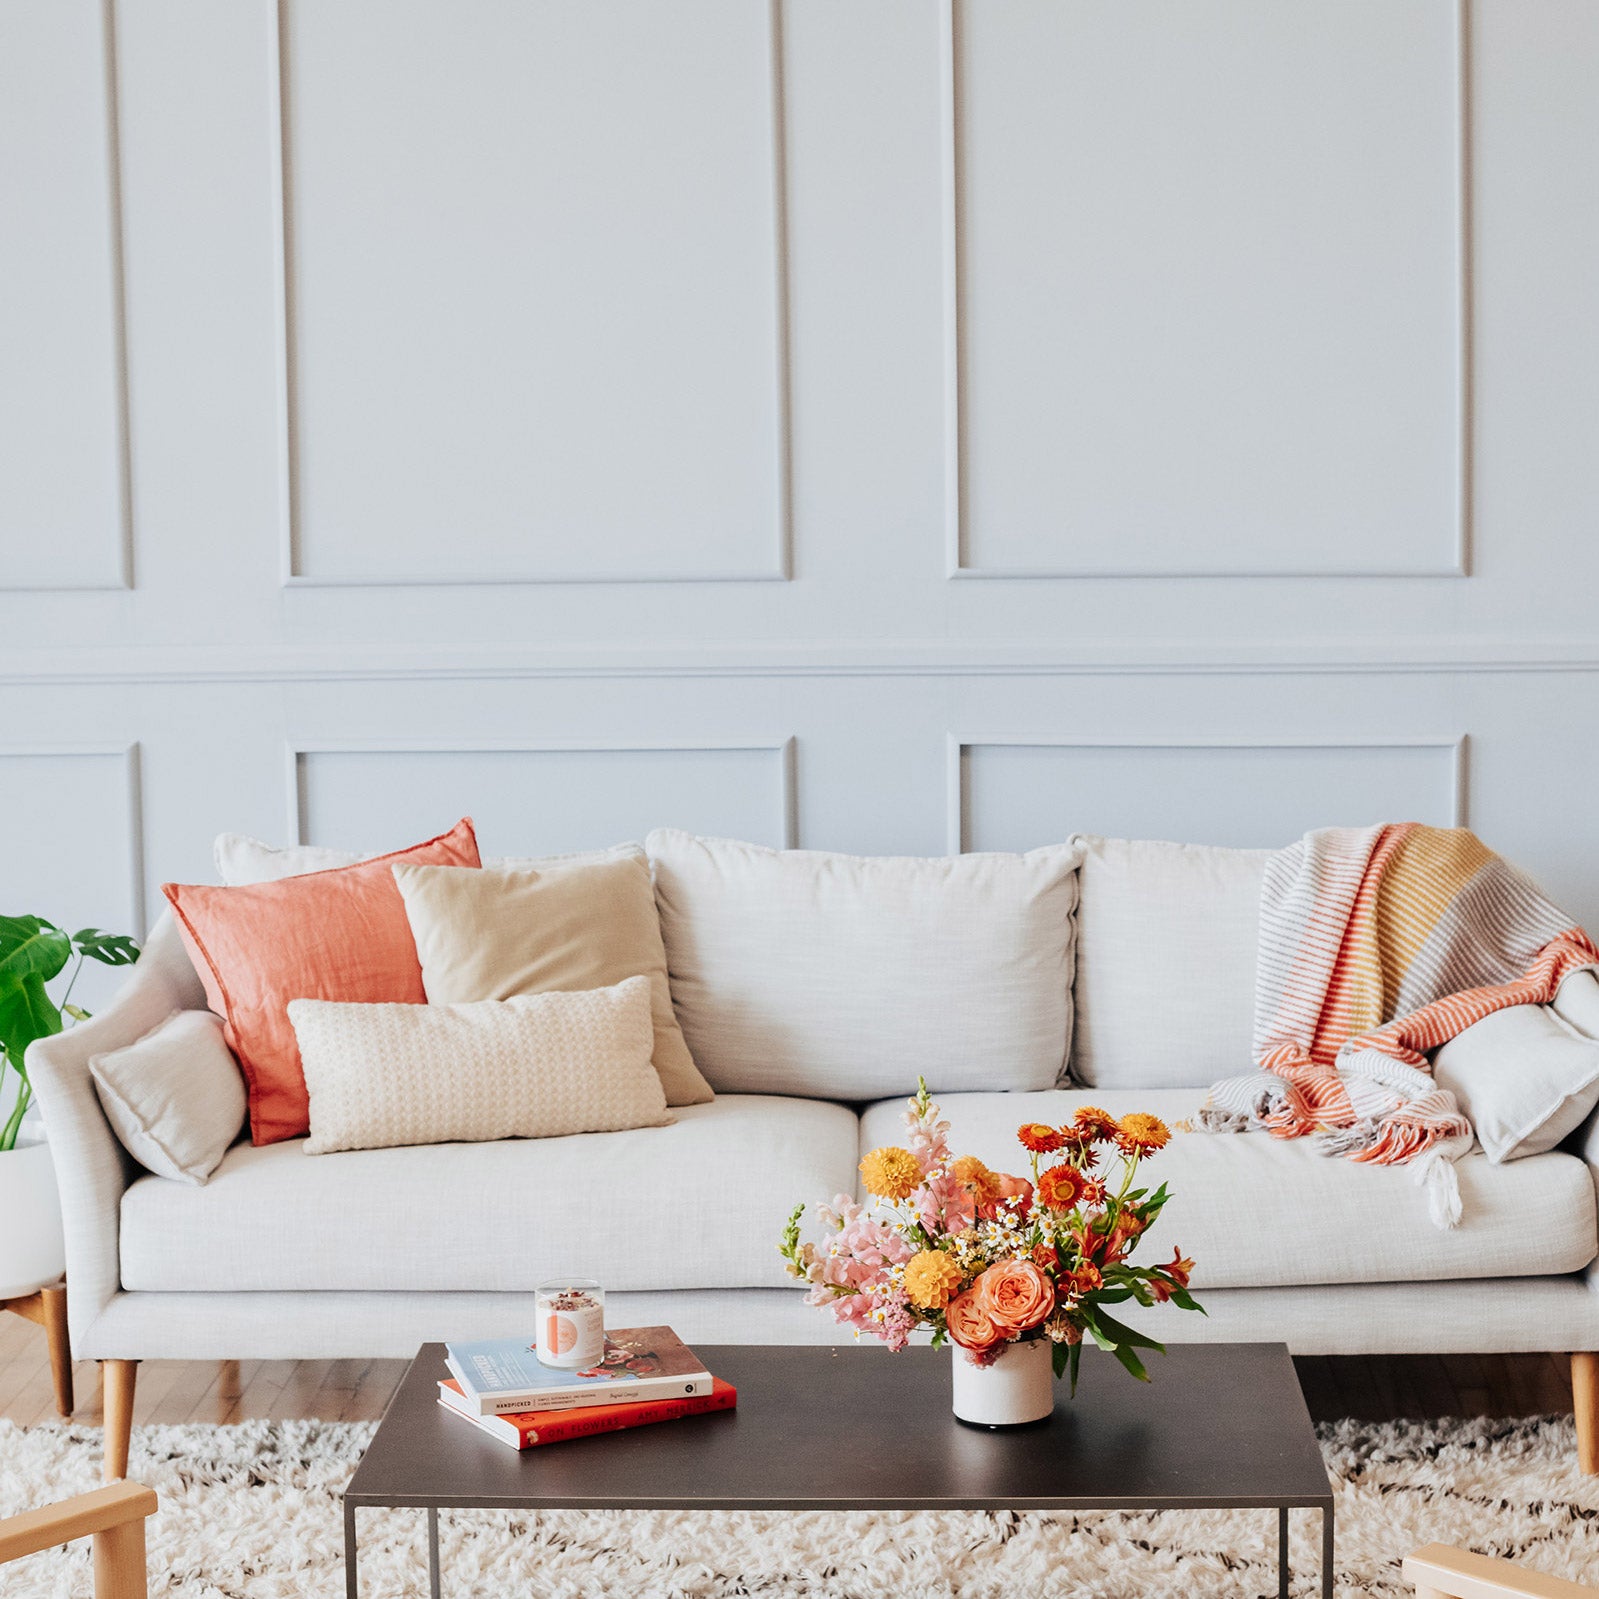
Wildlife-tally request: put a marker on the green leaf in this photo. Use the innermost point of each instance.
(1186, 1301)
(1131, 1362)
(26, 1013)
(1073, 1363)
(31, 946)
(110, 949)
(1058, 1355)
(1120, 1333)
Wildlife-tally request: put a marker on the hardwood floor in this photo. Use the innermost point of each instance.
(1372, 1388)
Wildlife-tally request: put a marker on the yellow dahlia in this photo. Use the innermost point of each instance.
(1141, 1134)
(891, 1173)
(932, 1279)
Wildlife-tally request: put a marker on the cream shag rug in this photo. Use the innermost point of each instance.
(252, 1512)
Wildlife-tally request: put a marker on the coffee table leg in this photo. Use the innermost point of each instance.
(352, 1580)
(433, 1552)
(1282, 1553)
(1327, 1552)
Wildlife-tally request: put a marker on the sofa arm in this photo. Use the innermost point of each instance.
(91, 1167)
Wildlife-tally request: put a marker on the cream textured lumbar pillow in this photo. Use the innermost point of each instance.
(175, 1097)
(540, 1066)
(490, 934)
(241, 860)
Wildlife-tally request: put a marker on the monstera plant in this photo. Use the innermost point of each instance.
(33, 954)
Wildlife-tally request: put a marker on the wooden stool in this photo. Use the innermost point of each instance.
(114, 1517)
(48, 1307)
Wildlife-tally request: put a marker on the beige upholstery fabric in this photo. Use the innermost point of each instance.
(494, 934)
(1166, 938)
(1255, 1211)
(848, 976)
(698, 1204)
(541, 1066)
(175, 1097)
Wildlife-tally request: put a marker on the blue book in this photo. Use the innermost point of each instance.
(501, 1375)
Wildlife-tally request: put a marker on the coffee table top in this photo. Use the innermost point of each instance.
(858, 1428)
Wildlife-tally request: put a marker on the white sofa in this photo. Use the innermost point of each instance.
(371, 1253)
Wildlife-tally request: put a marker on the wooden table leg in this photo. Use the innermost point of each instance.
(117, 1379)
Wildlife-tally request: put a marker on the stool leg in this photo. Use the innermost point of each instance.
(119, 1562)
(53, 1302)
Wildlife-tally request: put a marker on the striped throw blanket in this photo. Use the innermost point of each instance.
(1377, 945)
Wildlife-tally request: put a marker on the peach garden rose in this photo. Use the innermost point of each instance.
(1016, 1295)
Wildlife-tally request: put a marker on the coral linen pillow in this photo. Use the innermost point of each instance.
(336, 935)
(496, 934)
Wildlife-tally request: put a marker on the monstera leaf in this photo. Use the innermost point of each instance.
(29, 945)
(112, 949)
(26, 1013)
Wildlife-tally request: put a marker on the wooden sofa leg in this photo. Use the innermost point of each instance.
(1585, 1406)
(53, 1303)
(117, 1378)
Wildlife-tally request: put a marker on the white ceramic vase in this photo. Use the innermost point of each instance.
(1015, 1390)
(32, 1252)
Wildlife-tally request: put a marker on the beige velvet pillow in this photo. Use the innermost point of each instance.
(541, 1066)
(495, 934)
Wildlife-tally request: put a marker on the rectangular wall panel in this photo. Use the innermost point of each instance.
(1016, 795)
(538, 800)
(1207, 315)
(63, 510)
(535, 295)
(75, 851)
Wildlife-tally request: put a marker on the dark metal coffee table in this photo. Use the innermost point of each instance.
(1222, 1426)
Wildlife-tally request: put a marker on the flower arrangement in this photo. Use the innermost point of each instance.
(986, 1259)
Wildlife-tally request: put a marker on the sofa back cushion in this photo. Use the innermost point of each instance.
(847, 977)
(1166, 933)
(241, 860)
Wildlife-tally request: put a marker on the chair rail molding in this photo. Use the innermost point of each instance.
(1456, 745)
(783, 746)
(957, 565)
(292, 573)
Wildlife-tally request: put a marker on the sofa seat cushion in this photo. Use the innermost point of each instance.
(1260, 1212)
(698, 1204)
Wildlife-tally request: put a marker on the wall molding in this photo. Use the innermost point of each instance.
(956, 566)
(784, 747)
(133, 799)
(122, 533)
(957, 744)
(290, 509)
(281, 663)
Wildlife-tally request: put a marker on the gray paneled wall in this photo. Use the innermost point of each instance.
(896, 426)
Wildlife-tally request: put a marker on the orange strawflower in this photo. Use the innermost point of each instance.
(932, 1279)
(976, 1179)
(1095, 1124)
(1060, 1188)
(1039, 1138)
(891, 1173)
(1093, 1191)
(1141, 1134)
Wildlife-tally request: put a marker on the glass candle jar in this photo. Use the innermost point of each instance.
(571, 1323)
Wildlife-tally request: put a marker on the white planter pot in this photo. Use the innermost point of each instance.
(32, 1252)
(1015, 1391)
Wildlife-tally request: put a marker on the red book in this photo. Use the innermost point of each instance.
(528, 1428)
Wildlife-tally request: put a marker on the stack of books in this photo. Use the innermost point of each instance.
(647, 1374)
